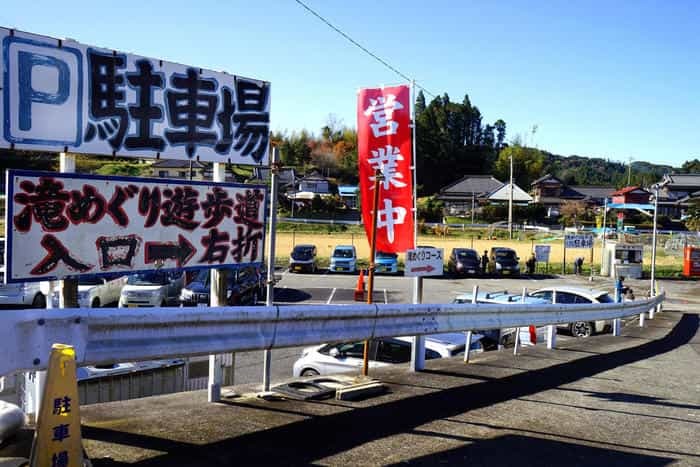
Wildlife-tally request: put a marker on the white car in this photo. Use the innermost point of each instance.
(327, 359)
(149, 289)
(577, 295)
(94, 292)
(20, 295)
(343, 259)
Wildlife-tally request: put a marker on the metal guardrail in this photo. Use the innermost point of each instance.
(106, 335)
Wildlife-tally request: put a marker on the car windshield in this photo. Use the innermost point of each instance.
(302, 252)
(382, 255)
(605, 298)
(202, 276)
(466, 254)
(148, 278)
(342, 253)
(505, 254)
(90, 280)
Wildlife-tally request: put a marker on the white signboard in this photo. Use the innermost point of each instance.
(424, 262)
(578, 241)
(60, 95)
(67, 225)
(542, 253)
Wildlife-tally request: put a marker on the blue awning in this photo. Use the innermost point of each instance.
(636, 206)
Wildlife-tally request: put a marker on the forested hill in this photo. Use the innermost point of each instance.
(579, 170)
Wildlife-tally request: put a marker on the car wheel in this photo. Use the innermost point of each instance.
(581, 329)
(95, 303)
(39, 301)
(309, 372)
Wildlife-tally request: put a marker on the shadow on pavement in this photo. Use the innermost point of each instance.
(527, 450)
(304, 442)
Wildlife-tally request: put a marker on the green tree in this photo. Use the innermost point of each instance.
(692, 222)
(691, 166)
(527, 165)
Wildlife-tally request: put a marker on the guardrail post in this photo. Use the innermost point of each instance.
(617, 322)
(468, 343)
(552, 329)
(517, 330)
(551, 336)
(418, 347)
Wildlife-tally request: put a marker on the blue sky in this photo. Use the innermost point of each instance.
(600, 79)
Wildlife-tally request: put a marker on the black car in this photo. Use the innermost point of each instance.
(245, 286)
(504, 261)
(303, 258)
(464, 261)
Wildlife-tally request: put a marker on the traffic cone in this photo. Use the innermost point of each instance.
(533, 335)
(360, 287)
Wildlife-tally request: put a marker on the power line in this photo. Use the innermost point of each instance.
(361, 47)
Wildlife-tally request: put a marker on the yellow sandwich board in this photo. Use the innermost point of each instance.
(57, 440)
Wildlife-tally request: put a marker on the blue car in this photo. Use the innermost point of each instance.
(386, 262)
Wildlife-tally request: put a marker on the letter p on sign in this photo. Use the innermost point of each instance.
(42, 92)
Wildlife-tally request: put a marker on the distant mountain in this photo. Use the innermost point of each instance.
(579, 170)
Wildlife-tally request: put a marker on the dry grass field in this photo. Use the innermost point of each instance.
(326, 241)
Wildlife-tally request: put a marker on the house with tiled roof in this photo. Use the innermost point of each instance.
(459, 196)
(478, 190)
(631, 195)
(551, 192)
(677, 192)
(173, 168)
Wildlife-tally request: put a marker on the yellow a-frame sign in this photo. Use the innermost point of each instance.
(57, 440)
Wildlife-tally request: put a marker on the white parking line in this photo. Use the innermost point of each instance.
(330, 299)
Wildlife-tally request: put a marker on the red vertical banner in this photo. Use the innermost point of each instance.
(384, 143)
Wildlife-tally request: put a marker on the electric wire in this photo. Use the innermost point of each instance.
(361, 47)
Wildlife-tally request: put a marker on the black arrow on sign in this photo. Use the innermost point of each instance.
(181, 251)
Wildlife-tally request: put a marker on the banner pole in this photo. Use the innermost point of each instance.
(378, 177)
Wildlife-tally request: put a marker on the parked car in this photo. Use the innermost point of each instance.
(155, 288)
(20, 295)
(505, 336)
(94, 292)
(245, 286)
(386, 262)
(326, 359)
(503, 261)
(577, 295)
(463, 261)
(303, 258)
(343, 259)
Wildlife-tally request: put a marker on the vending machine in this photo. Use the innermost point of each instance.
(691, 261)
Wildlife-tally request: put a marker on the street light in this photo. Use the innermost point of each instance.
(652, 288)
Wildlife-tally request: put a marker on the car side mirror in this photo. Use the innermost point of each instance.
(517, 258)
(334, 352)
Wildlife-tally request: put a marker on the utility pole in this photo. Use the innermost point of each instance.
(472, 209)
(629, 172)
(510, 200)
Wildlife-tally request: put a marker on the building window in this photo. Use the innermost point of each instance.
(163, 173)
(183, 174)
